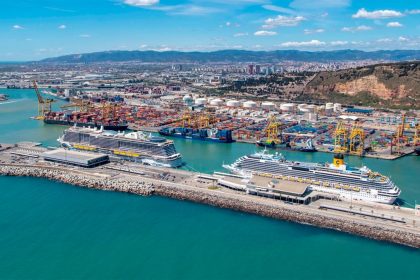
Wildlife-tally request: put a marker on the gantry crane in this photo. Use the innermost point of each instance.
(44, 105)
(79, 104)
(357, 140)
(399, 138)
(416, 140)
(273, 130)
(340, 138)
(204, 121)
(186, 119)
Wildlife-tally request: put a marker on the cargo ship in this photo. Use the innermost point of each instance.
(349, 183)
(132, 146)
(84, 120)
(212, 135)
(306, 146)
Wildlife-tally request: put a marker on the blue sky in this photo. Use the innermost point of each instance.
(35, 29)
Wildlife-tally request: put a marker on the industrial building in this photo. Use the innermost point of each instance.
(83, 159)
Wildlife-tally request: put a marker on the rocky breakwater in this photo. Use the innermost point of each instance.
(299, 214)
(78, 178)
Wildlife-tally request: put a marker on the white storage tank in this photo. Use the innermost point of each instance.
(200, 101)
(187, 99)
(216, 102)
(268, 105)
(250, 104)
(337, 107)
(311, 108)
(302, 107)
(288, 107)
(329, 105)
(233, 103)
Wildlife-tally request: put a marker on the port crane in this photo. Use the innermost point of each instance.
(399, 137)
(341, 138)
(357, 140)
(44, 105)
(79, 104)
(273, 130)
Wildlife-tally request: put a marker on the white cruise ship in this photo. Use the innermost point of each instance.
(132, 146)
(349, 183)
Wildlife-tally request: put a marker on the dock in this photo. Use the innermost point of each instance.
(288, 202)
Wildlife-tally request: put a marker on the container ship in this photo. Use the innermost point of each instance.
(212, 135)
(306, 146)
(84, 120)
(133, 146)
(349, 183)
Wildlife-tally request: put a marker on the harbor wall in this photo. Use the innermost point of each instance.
(237, 202)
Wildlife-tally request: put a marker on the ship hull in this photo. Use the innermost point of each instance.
(80, 124)
(195, 137)
(285, 147)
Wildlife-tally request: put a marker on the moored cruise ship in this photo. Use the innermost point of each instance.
(133, 146)
(349, 183)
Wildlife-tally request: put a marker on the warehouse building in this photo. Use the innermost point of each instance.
(83, 159)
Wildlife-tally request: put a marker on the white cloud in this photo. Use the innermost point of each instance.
(319, 4)
(265, 33)
(312, 31)
(394, 24)
(403, 39)
(283, 21)
(240, 34)
(85, 36)
(413, 12)
(143, 46)
(312, 43)
(356, 29)
(62, 26)
(141, 3)
(228, 23)
(16, 26)
(377, 14)
(339, 43)
(278, 9)
(384, 40)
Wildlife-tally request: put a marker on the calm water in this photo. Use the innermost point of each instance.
(53, 230)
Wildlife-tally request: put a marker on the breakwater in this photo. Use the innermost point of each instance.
(239, 202)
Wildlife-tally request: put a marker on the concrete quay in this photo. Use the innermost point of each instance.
(362, 219)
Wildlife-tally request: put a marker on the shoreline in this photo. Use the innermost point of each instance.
(238, 202)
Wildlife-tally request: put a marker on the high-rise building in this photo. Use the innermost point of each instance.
(251, 69)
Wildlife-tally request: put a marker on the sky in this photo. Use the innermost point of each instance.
(36, 29)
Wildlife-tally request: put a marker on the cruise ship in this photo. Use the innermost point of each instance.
(349, 183)
(132, 146)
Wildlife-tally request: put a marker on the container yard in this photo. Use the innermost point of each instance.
(173, 112)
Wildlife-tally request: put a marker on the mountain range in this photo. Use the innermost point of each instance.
(236, 56)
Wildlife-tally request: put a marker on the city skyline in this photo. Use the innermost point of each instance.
(33, 30)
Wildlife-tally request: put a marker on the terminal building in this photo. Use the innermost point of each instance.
(83, 159)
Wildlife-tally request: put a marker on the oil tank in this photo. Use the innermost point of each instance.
(249, 104)
(200, 101)
(233, 103)
(268, 105)
(288, 107)
(216, 102)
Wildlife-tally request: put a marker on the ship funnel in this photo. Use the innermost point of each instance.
(338, 160)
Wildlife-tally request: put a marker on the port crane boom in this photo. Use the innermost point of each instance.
(44, 105)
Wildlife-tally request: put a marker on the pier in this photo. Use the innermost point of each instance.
(376, 221)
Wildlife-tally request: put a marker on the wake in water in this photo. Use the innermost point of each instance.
(11, 101)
